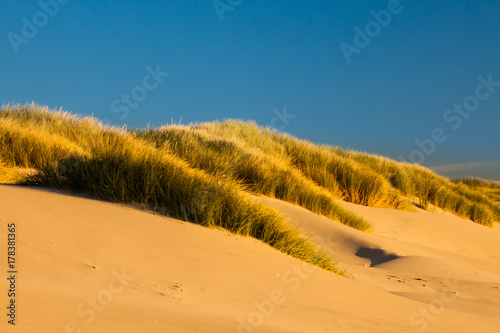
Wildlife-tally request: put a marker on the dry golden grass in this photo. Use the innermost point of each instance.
(257, 171)
(204, 172)
(489, 188)
(112, 164)
(428, 187)
(344, 178)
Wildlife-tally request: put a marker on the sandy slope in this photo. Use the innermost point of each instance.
(89, 266)
(414, 255)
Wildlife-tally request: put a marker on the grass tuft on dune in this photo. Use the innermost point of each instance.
(429, 188)
(259, 172)
(490, 188)
(112, 164)
(205, 173)
(356, 177)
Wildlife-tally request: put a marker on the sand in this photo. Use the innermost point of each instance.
(91, 266)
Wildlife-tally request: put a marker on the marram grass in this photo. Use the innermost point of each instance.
(112, 164)
(259, 172)
(204, 173)
(482, 187)
(429, 188)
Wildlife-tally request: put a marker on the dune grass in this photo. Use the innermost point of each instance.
(429, 188)
(259, 172)
(363, 178)
(490, 188)
(112, 164)
(204, 173)
(258, 156)
(13, 175)
(7, 174)
(345, 179)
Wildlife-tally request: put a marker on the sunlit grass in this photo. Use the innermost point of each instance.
(204, 173)
(489, 188)
(429, 188)
(344, 178)
(259, 172)
(113, 164)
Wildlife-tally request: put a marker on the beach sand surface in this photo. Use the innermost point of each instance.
(85, 265)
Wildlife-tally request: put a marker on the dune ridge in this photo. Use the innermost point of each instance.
(255, 158)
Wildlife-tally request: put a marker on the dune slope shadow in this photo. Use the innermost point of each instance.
(376, 256)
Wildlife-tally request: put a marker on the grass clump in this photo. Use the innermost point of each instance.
(259, 172)
(111, 164)
(344, 178)
(258, 157)
(363, 178)
(489, 188)
(8, 175)
(204, 172)
(429, 188)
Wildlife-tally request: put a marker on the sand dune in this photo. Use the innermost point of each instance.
(414, 255)
(91, 266)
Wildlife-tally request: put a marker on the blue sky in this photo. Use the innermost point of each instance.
(375, 76)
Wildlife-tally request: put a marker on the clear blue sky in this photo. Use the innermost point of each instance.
(265, 55)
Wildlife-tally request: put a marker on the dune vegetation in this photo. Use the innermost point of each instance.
(259, 156)
(426, 187)
(7, 174)
(488, 187)
(206, 173)
(258, 172)
(60, 150)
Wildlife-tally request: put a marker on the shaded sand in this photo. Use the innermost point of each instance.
(100, 267)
